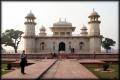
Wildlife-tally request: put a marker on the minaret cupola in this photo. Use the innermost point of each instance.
(84, 31)
(94, 17)
(42, 28)
(42, 31)
(30, 24)
(94, 29)
(30, 18)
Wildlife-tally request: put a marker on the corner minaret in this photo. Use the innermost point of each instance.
(29, 38)
(94, 32)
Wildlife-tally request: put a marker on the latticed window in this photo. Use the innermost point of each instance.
(62, 33)
(53, 43)
(56, 33)
(68, 33)
(69, 42)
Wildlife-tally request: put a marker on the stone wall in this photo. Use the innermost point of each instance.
(51, 42)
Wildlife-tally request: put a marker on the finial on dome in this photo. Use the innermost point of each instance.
(93, 10)
(65, 19)
(30, 11)
(59, 19)
(83, 25)
(42, 28)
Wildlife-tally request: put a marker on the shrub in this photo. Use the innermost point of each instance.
(9, 66)
(106, 66)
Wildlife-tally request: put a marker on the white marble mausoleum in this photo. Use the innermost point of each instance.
(88, 40)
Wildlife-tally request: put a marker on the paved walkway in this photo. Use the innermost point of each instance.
(68, 69)
(62, 69)
(32, 72)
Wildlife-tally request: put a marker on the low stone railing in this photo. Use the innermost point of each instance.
(69, 56)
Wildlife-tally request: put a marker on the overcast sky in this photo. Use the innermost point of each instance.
(47, 13)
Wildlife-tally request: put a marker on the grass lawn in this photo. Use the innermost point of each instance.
(4, 66)
(107, 75)
(4, 72)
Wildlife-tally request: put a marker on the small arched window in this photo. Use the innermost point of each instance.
(69, 45)
(42, 46)
(53, 45)
(69, 42)
(81, 44)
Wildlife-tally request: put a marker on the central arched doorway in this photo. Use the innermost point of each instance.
(61, 46)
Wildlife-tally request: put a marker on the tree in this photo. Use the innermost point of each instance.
(11, 38)
(107, 43)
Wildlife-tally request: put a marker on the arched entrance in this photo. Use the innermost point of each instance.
(62, 46)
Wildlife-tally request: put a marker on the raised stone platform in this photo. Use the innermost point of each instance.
(55, 69)
(52, 69)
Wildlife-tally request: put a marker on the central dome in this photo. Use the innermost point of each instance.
(62, 23)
